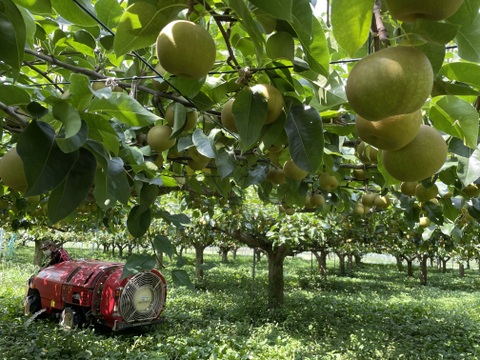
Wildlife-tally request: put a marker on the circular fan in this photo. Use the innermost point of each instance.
(142, 298)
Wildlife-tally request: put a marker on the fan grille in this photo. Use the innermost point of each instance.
(142, 298)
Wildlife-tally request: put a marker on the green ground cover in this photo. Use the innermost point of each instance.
(375, 313)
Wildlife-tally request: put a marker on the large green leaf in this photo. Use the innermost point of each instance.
(141, 22)
(69, 116)
(281, 9)
(250, 26)
(250, 111)
(467, 40)
(467, 73)
(139, 220)
(13, 95)
(311, 36)
(13, 34)
(435, 31)
(305, 137)
(181, 278)
(137, 263)
(100, 130)
(351, 21)
(79, 91)
(124, 108)
(161, 243)
(109, 12)
(36, 6)
(46, 166)
(66, 197)
(468, 170)
(75, 142)
(74, 13)
(455, 117)
(204, 144)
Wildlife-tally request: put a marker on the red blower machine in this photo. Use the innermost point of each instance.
(80, 291)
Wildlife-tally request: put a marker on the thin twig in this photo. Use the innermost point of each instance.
(44, 74)
(381, 31)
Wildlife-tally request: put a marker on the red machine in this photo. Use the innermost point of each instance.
(82, 291)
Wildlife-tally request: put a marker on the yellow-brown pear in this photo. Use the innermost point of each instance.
(419, 159)
(391, 133)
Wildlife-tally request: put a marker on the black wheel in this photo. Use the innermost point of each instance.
(32, 302)
(70, 318)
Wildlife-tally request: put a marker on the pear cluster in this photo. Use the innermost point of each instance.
(387, 90)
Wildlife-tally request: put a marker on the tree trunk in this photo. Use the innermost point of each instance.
(358, 259)
(399, 263)
(341, 261)
(224, 252)
(38, 255)
(409, 267)
(199, 249)
(322, 261)
(350, 263)
(423, 269)
(235, 253)
(461, 269)
(276, 283)
(444, 264)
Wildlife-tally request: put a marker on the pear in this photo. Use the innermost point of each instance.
(293, 171)
(411, 10)
(393, 81)
(391, 133)
(185, 49)
(425, 194)
(419, 159)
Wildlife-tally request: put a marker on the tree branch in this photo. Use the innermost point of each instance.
(377, 24)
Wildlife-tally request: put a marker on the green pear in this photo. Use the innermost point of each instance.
(419, 159)
(392, 81)
(411, 10)
(391, 133)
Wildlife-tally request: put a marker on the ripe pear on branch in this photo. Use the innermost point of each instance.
(392, 81)
(419, 159)
(411, 10)
(185, 49)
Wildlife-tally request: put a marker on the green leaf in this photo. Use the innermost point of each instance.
(109, 12)
(79, 90)
(250, 26)
(124, 108)
(468, 162)
(66, 197)
(179, 120)
(100, 130)
(137, 263)
(46, 166)
(311, 36)
(162, 244)
(148, 194)
(139, 220)
(36, 6)
(455, 117)
(467, 41)
(69, 116)
(73, 13)
(305, 133)
(225, 163)
(13, 95)
(351, 22)
(141, 23)
(74, 142)
(177, 220)
(281, 9)
(467, 73)
(204, 144)
(181, 278)
(13, 34)
(250, 111)
(435, 31)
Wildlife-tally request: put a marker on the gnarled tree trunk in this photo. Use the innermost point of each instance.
(423, 268)
(321, 257)
(276, 283)
(199, 252)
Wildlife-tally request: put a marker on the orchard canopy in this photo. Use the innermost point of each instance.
(99, 112)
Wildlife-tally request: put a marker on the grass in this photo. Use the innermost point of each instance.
(375, 313)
